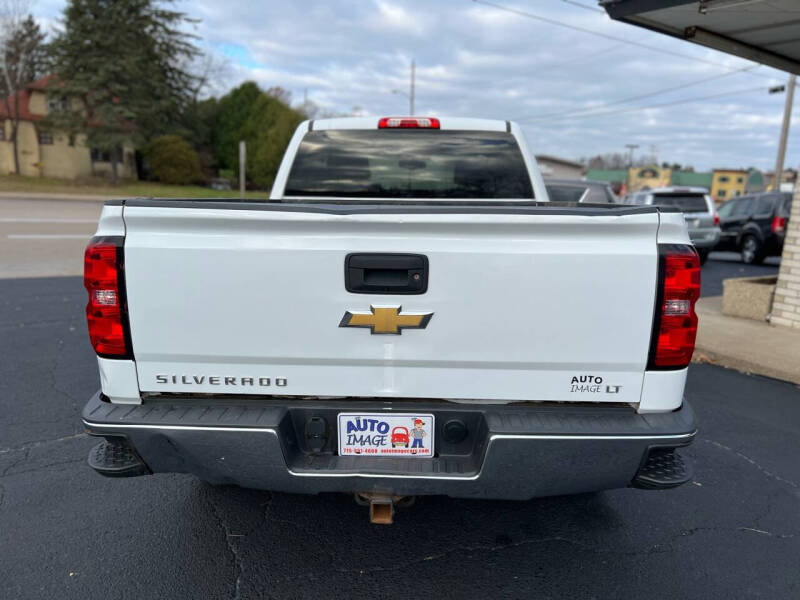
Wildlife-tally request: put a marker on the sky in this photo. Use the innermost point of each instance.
(570, 90)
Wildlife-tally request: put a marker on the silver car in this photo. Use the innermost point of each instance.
(697, 207)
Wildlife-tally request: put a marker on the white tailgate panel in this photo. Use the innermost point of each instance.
(522, 304)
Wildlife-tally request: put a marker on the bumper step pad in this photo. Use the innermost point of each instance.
(663, 469)
(115, 457)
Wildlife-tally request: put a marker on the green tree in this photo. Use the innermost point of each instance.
(234, 110)
(173, 160)
(125, 61)
(23, 59)
(270, 127)
(198, 125)
(264, 121)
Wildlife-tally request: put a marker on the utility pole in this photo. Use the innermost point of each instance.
(411, 93)
(242, 164)
(631, 148)
(787, 117)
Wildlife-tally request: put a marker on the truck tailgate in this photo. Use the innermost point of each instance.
(248, 299)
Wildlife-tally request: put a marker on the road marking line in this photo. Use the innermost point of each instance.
(49, 236)
(44, 220)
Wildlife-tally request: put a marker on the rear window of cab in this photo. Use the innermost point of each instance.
(687, 203)
(411, 163)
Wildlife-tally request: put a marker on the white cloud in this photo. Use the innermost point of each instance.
(393, 16)
(475, 60)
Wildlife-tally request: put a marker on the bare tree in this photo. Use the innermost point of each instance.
(612, 161)
(211, 71)
(280, 94)
(309, 109)
(22, 59)
(618, 161)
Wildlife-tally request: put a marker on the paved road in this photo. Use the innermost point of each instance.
(722, 265)
(41, 237)
(68, 533)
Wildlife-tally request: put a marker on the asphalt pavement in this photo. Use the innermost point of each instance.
(65, 532)
(722, 265)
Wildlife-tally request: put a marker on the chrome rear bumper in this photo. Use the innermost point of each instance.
(510, 452)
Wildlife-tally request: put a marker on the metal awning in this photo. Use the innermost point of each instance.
(764, 31)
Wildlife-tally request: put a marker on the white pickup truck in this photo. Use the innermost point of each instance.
(406, 314)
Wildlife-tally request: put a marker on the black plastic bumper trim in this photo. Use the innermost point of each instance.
(116, 457)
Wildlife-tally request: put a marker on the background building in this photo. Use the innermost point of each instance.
(788, 180)
(722, 183)
(552, 166)
(691, 179)
(647, 178)
(44, 153)
(728, 183)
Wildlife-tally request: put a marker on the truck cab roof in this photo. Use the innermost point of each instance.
(452, 123)
(374, 158)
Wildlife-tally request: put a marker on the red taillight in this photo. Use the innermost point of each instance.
(778, 224)
(106, 311)
(408, 123)
(675, 322)
(716, 218)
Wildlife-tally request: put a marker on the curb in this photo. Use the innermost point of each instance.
(707, 356)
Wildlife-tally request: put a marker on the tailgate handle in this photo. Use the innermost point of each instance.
(370, 273)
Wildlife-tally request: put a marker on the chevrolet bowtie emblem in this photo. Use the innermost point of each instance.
(386, 319)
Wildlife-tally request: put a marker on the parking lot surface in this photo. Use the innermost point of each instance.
(722, 265)
(65, 532)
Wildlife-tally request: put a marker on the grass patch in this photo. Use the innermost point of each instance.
(101, 187)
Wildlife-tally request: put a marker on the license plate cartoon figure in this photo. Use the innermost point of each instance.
(418, 433)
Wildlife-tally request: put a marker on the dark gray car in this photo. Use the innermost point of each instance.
(755, 225)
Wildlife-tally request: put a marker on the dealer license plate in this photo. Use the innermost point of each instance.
(386, 434)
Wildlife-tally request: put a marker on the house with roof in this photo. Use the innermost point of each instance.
(728, 183)
(554, 166)
(46, 153)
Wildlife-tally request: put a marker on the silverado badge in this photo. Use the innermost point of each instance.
(385, 319)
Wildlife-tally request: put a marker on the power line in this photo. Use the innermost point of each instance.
(578, 59)
(536, 17)
(558, 65)
(637, 97)
(663, 104)
(591, 8)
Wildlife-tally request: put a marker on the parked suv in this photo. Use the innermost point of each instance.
(755, 225)
(697, 207)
